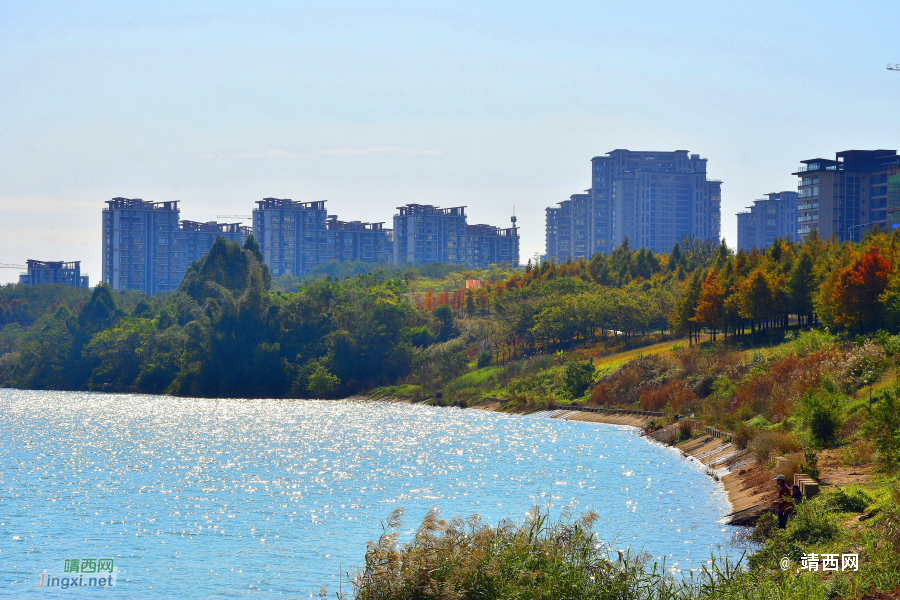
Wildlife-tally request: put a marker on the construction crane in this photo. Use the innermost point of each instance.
(242, 217)
(9, 266)
(893, 67)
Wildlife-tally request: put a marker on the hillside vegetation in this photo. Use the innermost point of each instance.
(792, 350)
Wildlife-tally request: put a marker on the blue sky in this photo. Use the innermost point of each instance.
(488, 105)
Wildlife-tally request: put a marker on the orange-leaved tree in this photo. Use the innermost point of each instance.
(857, 295)
(711, 304)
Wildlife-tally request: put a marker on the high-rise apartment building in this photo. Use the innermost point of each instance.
(54, 272)
(145, 249)
(426, 234)
(291, 235)
(294, 237)
(568, 229)
(769, 218)
(486, 245)
(844, 197)
(652, 198)
(354, 240)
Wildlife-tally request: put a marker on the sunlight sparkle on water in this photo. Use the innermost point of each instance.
(265, 498)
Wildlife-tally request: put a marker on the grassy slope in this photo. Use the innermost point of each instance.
(496, 381)
(840, 467)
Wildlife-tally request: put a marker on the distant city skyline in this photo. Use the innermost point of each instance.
(487, 106)
(652, 199)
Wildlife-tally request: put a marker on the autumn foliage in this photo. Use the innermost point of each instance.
(858, 290)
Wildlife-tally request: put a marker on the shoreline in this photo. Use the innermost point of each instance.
(746, 493)
(724, 462)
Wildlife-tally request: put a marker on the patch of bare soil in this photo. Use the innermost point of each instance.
(844, 475)
(895, 595)
(834, 472)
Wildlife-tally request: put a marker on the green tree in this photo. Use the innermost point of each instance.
(802, 287)
(686, 308)
(444, 315)
(822, 412)
(321, 383)
(118, 353)
(755, 297)
(883, 427)
(470, 302)
(101, 312)
(578, 377)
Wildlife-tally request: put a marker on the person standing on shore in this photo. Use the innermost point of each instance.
(784, 503)
(796, 494)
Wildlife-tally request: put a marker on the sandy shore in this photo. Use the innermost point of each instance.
(748, 485)
(612, 419)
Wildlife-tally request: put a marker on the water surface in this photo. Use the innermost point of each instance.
(273, 498)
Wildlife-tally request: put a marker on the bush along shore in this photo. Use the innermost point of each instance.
(792, 352)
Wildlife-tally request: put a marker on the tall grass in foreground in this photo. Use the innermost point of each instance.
(466, 559)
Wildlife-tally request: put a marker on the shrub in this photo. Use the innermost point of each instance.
(889, 524)
(681, 397)
(685, 427)
(848, 500)
(822, 412)
(578, 376)
(743, 434)
(809, 342)
(769, 443)
(811, 463)
(483, 359)
(418, 336)
(602, 394)
(764, 528)
(812, 523)
(469, 559)
(883, 426)
(322, 383)
(772, 390)
(860, 452)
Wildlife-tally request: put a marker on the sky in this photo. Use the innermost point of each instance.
(496, 106)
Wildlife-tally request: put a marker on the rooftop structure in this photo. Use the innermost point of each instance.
(295, 237)
(424, 233)
(54, 272)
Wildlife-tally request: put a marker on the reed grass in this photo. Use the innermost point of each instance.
(543, 560)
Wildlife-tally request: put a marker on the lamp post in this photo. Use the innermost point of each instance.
(852, 226)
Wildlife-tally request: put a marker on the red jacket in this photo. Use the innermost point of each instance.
(785, 500)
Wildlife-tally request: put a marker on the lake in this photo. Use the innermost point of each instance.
(274, 498)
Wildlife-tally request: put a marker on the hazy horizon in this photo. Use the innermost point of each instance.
(489, 106)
